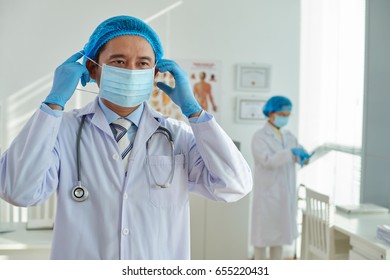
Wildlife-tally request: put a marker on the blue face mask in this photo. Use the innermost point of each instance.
(124, 87)
(280, 121)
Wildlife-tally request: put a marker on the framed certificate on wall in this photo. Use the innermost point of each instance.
(253, 77)
(250, 109)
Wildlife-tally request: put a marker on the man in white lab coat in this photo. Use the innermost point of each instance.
(124, 195)
(275, 151)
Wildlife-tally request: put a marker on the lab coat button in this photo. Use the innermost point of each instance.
(115, 156)
(125, 196)
(125, 231)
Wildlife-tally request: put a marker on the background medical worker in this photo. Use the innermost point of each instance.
(275, 151)
(126, 215)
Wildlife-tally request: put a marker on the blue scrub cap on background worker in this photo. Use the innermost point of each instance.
(118, 26)
(277, 104)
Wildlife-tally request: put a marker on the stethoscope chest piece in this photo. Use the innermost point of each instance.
(79, 193)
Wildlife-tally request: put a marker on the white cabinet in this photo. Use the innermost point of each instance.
(365, 250)
(360, 230)
(219, 231)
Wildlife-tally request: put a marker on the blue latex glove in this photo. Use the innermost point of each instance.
(66, 79)
(302, 155)
(305, 159)
(181, 94)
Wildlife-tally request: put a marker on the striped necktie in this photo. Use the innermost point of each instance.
(121, 126)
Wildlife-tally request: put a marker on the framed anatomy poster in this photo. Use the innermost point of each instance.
(253, 77)
(204, 77)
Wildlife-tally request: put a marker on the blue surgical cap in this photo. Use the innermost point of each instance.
(118, 26)
(277, 104)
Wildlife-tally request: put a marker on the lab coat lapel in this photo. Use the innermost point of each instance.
(271, 133)
(98, 118)
(148, 125)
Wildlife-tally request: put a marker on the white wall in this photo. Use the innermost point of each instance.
(39, 35)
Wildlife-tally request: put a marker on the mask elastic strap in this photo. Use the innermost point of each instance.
(85, 90)
(91, 60)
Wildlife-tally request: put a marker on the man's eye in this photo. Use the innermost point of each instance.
(144, 64)
(118, 62)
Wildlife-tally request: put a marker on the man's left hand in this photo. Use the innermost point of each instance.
(181, 94)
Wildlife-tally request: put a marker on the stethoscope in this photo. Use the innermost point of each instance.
(80, 192)
(168, 135)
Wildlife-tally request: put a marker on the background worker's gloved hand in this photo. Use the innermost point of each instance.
(306, 158)
(182, 93)
(66, 79)
(302, 155)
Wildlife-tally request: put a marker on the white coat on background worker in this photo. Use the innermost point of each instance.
(125, 215)
(275, 151)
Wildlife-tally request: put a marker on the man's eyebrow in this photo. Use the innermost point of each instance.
(123, 56)
(117, 56)
(146, 57)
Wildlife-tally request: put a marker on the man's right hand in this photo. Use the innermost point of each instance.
(66, 79)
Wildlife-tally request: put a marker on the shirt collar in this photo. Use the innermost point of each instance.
(134, 117)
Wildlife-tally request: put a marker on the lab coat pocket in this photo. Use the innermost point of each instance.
(176, 194)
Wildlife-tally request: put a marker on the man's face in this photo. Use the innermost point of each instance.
(129, 52)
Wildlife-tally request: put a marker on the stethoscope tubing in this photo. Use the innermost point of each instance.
(168, 135)
(78, 140)
(83, 190)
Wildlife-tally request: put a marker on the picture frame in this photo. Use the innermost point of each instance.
(253, 77)
(249, 109)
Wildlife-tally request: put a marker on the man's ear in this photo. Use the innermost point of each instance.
(155, 72)
(91, 69)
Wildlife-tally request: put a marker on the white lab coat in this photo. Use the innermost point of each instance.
(274, 193)
(124, 216)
